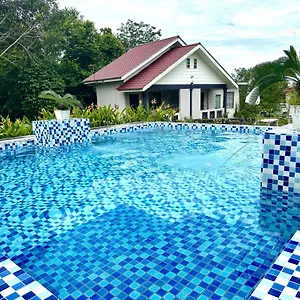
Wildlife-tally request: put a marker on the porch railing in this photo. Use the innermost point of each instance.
(212, 113)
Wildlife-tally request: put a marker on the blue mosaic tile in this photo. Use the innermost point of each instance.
(141, 237)
(286, 284)
(53, 133)
(14, 286)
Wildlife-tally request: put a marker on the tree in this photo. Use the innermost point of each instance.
(132, 34)
(288, 71)
(84, 51)
(22, 24)
(270, 98)
(32, 81)
(58, 52)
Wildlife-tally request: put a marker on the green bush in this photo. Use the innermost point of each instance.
(99, 116)
(12, 129)
(106, 115)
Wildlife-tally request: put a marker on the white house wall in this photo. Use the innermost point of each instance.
(108, 95)
(182, 75)
(212, 98)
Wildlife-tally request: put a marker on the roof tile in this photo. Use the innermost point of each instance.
(156, 68)
(130, 60)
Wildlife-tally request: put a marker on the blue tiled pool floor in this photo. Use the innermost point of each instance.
(128, 252)
(146, 215)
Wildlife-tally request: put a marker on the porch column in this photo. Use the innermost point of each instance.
(144, 99)
(225, 99)
(184, 103)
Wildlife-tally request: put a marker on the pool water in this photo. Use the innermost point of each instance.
(151, 214)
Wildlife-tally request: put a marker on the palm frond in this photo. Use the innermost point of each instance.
(288, 70)
(68, 100)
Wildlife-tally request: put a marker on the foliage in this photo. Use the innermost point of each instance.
(99, 116)
(65, 102)
(132, 34)
(288, 71)
(34, 80)
(294, 97)
(46, 115)
(58, 52)
(86, 50)
(138, 114)
(22, 26)
(271, 97)
(13, 129)
(106, 115)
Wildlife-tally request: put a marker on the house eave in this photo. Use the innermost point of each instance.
(131, 91)
(103, 81)
(147, 62)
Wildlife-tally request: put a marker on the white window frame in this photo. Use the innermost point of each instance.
(230, 100)
(220, 98)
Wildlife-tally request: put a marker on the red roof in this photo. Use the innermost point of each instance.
(130, 60)
(156, 68)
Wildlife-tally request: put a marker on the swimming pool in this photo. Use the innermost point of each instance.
(148, 214)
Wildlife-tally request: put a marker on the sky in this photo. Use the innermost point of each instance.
(238, 33)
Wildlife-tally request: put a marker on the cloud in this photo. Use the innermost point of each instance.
(239, 33)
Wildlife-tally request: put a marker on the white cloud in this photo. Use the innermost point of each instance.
(239, 33)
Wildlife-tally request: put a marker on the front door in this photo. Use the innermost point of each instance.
(134, 100)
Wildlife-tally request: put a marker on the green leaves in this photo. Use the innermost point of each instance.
(67, 101)
(287, 71)
(13, 129)
(59, 52)
(106, 115)
(132, 34)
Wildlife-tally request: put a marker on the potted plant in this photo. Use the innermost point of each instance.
(63, 103)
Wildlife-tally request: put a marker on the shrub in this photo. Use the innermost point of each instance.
(13, 129)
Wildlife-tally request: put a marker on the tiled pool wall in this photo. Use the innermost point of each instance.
(24, 144)
(278, 175)
(282, 281)
(53, 133)
(280, 178)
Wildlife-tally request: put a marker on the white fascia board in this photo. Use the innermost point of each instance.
(150, 59)
(219, 67)
(171, 68)
(103, 81)
(131, 91)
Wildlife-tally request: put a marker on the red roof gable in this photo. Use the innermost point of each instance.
(156, 68)
(130, 60)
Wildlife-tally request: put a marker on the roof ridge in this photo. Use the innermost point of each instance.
(194, 44)
(160, 40)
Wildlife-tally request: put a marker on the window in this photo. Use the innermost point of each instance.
(188, 63)
(230, 100)
(218, 101)
(195, 63)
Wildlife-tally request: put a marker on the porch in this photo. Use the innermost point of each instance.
(191, 101)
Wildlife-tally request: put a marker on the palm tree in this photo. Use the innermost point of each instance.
(288, 71)
(65, 102)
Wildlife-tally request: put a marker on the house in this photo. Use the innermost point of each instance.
(168, 70)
